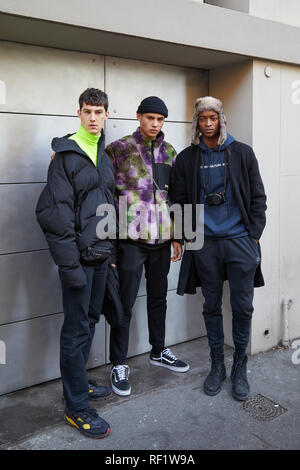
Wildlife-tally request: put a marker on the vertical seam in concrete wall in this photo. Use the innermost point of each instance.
(252, 126)
(279, 207)
(252, 101)
(104, 71)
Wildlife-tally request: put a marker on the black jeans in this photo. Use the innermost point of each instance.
(82, 308)
(235, 259)
(131, 259)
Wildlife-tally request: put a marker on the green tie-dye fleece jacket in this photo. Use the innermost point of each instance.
(135, 158)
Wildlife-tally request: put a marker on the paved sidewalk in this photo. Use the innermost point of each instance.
(168, 410)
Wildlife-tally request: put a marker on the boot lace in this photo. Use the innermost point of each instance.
(240, 372)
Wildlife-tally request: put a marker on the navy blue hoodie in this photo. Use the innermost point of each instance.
(224, 221)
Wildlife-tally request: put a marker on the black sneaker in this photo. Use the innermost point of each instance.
(88, 422)
(119, 380)
(98, 392)
(167, 359)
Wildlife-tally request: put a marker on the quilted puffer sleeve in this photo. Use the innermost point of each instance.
(55, 213)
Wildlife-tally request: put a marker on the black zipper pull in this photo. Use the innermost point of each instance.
(153, 165)
(154, 189)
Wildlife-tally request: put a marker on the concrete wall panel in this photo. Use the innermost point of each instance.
(129, 81)
(29, 286)
(25, 159)
(289, 210)
(283, 11)
(266, 144)
(184, 318)
(290, 118)
(289, 252)
(19, 230)
(32, 351)
(46, 81)
(233, 86)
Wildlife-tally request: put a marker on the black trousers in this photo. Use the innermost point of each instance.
(131, 259)
(82, 308)
(235, 259)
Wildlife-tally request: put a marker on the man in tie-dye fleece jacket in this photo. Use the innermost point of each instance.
(143, 163)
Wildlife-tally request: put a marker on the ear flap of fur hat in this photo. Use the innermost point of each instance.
(212, 104)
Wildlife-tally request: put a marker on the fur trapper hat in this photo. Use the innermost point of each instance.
(212, 104)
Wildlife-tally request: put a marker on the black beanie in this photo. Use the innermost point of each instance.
(153, 104)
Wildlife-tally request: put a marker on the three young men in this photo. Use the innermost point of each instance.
(143, 163)
(216, 171)
(222, 174)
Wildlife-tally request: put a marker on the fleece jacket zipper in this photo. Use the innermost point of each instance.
(154, 191)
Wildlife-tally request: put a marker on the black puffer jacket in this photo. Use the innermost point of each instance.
(66, 210)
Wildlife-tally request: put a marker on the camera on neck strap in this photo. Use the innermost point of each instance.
(215, 199)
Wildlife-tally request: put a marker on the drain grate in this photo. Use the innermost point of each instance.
(262, 408)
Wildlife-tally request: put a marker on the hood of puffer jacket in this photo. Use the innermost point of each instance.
(204, 104)
(64, 144)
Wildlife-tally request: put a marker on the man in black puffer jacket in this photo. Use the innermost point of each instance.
(80, 179)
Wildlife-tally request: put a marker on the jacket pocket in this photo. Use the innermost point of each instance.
(255, 247)
(163, 175)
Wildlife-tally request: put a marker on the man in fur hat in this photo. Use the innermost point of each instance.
(223, 175)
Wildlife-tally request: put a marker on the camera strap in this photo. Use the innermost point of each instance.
(225, 171)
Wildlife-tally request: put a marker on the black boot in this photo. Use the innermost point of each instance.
(213, 381)
(240, 386)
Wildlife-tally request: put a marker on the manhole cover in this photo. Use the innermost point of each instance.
(262, 408)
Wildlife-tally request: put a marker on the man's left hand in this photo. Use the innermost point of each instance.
(177, 251)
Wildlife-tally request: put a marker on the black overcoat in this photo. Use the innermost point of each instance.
(248, 189)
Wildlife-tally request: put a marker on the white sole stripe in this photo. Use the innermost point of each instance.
(122, 393)
(175, 369)
(165, 359)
